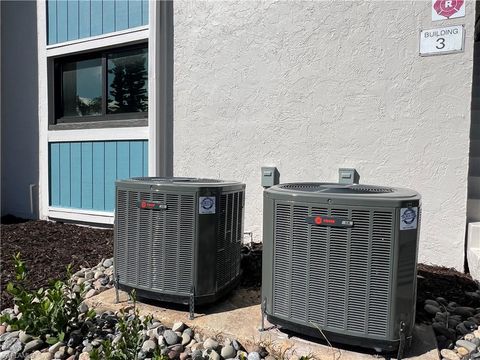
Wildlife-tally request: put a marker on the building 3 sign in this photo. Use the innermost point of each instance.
(447, 9)
(444, 40)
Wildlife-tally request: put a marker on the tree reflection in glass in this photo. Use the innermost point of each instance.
(127, 81)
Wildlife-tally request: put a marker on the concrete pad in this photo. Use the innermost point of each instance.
(239, 317)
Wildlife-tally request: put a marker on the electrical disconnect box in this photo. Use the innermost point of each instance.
(270, 176)
(348, 176)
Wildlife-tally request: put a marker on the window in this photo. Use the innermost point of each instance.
(82, 88)
(104, 86)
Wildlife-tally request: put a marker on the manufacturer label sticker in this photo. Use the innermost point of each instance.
(329, 221)
(206, 205)
(151, 205)
(408, 218)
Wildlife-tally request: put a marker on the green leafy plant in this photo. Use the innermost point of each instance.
(44, 311)
(158, 356)
(130, 329)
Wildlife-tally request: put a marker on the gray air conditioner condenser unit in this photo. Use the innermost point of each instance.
(339, 261)
(178, 239)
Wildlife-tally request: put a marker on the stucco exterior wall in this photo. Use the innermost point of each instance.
(313, 86)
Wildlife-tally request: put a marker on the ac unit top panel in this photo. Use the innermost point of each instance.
(178, 183)
(348, 194)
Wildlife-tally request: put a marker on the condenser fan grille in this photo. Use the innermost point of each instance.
(178, 180)
(337, 188)
(370, 189)
(303, 186)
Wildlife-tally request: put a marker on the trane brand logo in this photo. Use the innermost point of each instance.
(151, 205)
(329, 221)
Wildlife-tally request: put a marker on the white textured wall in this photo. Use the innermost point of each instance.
(314, 86)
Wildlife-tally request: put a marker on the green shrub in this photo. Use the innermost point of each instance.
(45, 311)
(130, 329)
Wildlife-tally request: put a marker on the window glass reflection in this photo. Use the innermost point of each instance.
(127, 81)
(82, 87)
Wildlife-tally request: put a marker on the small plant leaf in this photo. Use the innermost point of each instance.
(52, 340)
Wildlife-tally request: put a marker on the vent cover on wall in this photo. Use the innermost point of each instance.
(178, 239)
(341, 258)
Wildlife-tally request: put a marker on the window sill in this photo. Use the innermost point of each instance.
(106, 134)
(99, 124)
(105, 40)
(81, 216)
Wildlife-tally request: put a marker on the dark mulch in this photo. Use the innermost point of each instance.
(435, 281)
(251, 265)
(47, 248)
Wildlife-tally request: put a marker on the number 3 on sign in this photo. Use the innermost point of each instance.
(440, 43)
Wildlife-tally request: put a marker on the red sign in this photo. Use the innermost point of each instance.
(447, 8)
(152, 205)
(329, 221)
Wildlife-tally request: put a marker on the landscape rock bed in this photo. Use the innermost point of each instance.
(452, 321)
(457, 327)
(435, 281)
(94, 280)
(178, 342)
(450, 301)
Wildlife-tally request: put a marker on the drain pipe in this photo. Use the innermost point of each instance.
(32, 210)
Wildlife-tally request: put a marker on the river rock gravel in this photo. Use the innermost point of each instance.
(456, 326)
(89, 334)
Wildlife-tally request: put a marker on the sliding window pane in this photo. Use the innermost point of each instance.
(82, 87)
(127, 81)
